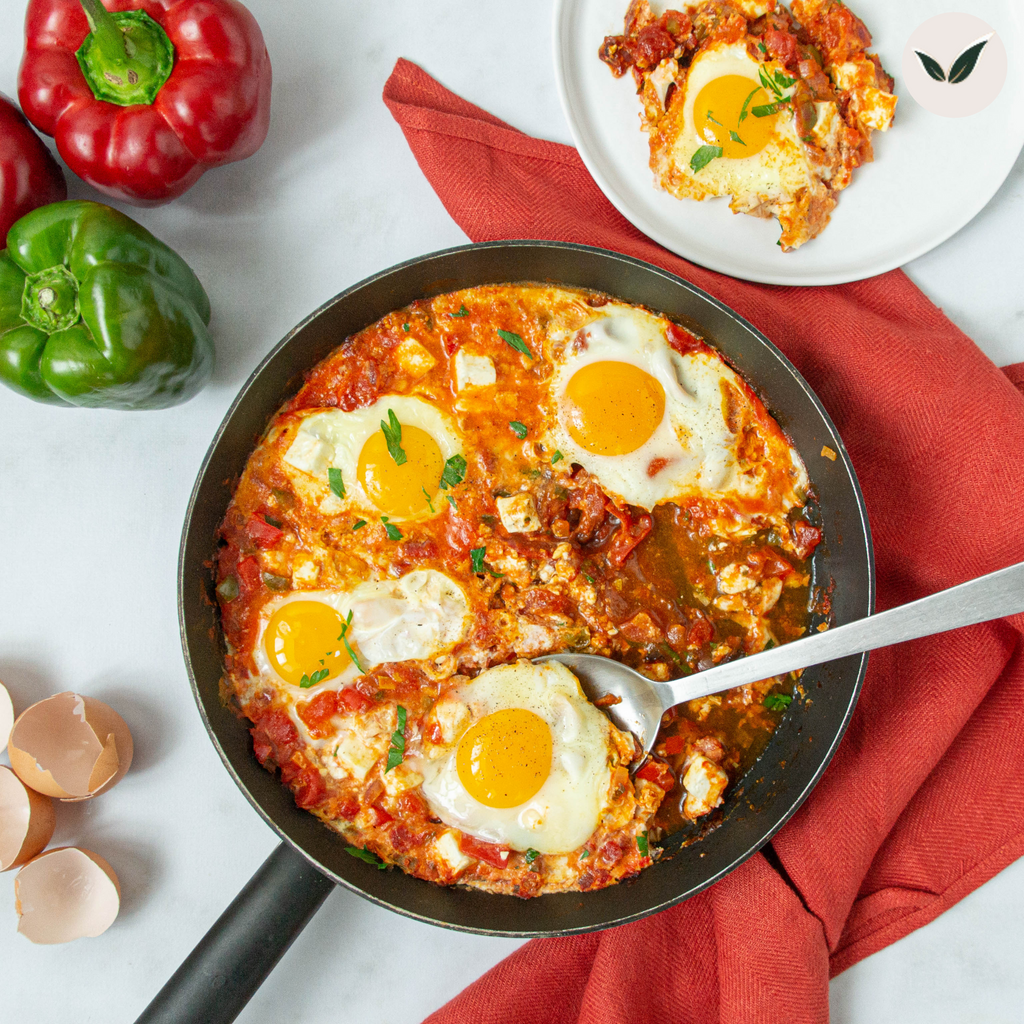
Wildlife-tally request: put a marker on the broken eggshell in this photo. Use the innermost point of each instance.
(6, 716)
(66, 894)
(26, 821)
(70, 747)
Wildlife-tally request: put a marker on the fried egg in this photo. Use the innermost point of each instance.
(308, 637)
(526, 761)
(399, 478)
(650, 424)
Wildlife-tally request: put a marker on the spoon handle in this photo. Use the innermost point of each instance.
(989, 597)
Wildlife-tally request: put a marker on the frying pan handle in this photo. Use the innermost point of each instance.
(221, 974)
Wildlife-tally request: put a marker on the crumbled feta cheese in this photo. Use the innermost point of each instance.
(473, 371)
(446, 848)
(412, 357)
(518, 513)
(401, 778)
(305, 571)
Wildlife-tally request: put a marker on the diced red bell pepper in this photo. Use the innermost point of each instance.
(262, 533)
(658, 773)
(249, 574)
(318, 713)
(805, 537)
(673, 745)
(274, 735)
(489, 853)
(629, 534)
(378, 816)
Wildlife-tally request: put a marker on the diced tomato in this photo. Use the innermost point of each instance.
(489, 853)
(261, 533)
(347, 808)
(402, 839)
(629, 534)
(274, 735)
(589, 500)
(351, 699)
(700, 632)
(249, 574)
(435, 735)
(673, 745)
(412, 805)
(805, 537)
(319, 711)
(683, 341)
(378, 816)
(658, 773)
(310, 788)
(653, 45)
(783, 47)
(609, 854)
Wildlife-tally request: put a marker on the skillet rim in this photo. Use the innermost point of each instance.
(363, 876)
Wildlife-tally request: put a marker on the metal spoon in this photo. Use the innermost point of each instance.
(644, 701)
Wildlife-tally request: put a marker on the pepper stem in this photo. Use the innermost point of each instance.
(126, 58)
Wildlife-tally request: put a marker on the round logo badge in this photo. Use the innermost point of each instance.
(954, 65)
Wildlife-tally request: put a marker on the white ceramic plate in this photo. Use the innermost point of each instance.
(930, 176)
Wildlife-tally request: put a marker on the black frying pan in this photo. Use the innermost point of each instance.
(242, 947)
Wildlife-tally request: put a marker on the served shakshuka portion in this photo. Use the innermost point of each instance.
(476, 480)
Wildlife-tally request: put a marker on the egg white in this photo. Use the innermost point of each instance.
(692, 437)
(419, 616)
(565, 812)
(334, 438)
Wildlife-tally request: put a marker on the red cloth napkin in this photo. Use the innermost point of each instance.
(923, 800)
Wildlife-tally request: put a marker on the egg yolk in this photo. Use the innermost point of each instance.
(303, 638)
(613, 408)
(401, 490)
(723, 116)
(504, 758)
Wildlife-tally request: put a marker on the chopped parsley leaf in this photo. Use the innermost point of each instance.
(317, 677)
(358, 525)
(451, 500)
(584, 855)
(516, 342)
(430, 504)
(405, 327)
(393, 532)
(642, 844)
(778, 701)
(271, 521)
(769, 645)
(519, 429)
(392, 431)
(766, 110)
(589, 579)
(454, 472)
(396, 752)
(746, 103)
(476, 555)
(348, 647)
(762, 47)
(557, 457)
(711, 118)
(703, 157)
(736, 138)
(370, 858)
(531, 855)
(337, 484)
(462, 311)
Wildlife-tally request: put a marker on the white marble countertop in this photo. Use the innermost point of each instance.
(92, 504)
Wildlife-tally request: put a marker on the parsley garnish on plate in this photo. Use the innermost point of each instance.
(515, 341)
(337, 484)
(557, 457)
(343, 637)
(358, 525)
(392, 431)
(642, 844)
(703, 157)
(451, 501)
(736, 138)
(405, 327)
(765, 110)
(396, 752)
(462, 311)
(430, 504)
(519, 429)
(393, 532)
(454, 472)
(370, 858)
(317, 677)
(778, 701)
(746, 103)
(531, 855)
(476, 556)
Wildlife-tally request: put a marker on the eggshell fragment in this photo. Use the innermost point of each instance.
(71, 747)
(26, 821)
(6, 716)
(66, 894)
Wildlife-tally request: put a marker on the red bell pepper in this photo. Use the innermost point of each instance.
(29, 176)
(194, 94)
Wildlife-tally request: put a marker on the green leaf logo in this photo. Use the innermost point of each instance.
(961, 68)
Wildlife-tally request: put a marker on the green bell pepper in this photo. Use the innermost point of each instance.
(96, 312)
